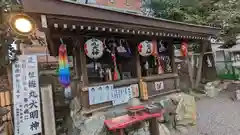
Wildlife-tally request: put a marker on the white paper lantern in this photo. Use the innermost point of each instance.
(94, 48)
(145, 48)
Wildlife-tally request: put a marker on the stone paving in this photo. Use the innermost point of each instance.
(217, 116)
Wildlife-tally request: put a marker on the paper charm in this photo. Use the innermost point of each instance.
(92, 95)
(135, 90)
(168, 66)
(145, 48)
(209, 62)
(146, 65)
(160, 69)
(161, 48)
(100, 95)
(123, 49)
(197, 61)
(107, 92)
(130, 93)
(94, 48)
(155, 53)
(179, 66)
(68, 93)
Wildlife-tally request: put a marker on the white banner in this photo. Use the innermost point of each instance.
(26, 97)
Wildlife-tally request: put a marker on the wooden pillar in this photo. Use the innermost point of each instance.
(153, 127)
(172, 55)
(77, 68)
(173, 64)
(204, 45)
(138, 65)
(83, 63)
(190, 70)
(77, 61)
(84, 76)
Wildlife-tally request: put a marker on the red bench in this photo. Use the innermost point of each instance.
(118, 124)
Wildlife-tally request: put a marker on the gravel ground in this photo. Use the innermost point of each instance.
(217, 116)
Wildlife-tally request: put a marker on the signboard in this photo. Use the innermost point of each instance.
(121, 95)
(106, 93)
(26, 98)
(159, 85)
(100, 94)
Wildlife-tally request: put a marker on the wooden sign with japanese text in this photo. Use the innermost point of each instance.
(26, 97)
(105, 93)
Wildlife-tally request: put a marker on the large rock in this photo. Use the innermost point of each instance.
(93, 125)
(211, 89)
(134, 102)
(83, 125)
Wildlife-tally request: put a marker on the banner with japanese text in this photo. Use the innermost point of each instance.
(26, 96)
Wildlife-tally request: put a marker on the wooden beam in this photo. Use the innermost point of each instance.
(159, 77)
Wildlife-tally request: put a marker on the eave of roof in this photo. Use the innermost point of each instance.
(56, 7)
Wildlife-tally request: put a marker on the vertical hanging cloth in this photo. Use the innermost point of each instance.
(156, 56)
(63, 70)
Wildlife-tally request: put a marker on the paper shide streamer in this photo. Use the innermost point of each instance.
(63, 70)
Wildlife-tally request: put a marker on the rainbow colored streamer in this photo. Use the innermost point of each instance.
(63, 70)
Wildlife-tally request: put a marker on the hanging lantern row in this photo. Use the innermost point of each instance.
(135, 32)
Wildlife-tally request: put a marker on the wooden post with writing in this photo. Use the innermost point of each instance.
(48, 110)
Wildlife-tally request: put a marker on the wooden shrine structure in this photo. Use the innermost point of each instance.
(76, 23)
